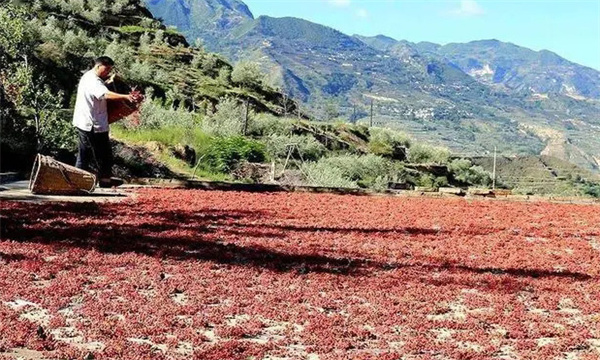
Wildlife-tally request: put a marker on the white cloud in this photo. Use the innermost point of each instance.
(339, 3)
(468, 8)
(362, 13)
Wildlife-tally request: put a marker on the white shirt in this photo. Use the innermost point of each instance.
(90, 106)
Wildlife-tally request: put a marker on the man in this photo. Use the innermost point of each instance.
(91, 120)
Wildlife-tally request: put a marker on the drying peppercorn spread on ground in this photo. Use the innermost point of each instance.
(184, 274)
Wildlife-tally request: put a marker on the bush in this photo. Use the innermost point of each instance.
(154, 116)
(247, 74)
(224, 153)
(39, 105)
(463, 170)
(307, 146)
(228, 120)
(591, 189)
(366, 171)
(224, 77)
(58, 133)
(389, 143)
(209, 64)
(122, 54)
(267, 124)
(320, 174)
(421, 153)
(431, 181)
(357, 167)
(141, 72)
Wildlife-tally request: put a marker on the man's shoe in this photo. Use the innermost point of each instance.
(116, 181)
(111, 182)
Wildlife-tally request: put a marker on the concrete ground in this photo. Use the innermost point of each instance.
(19, 190)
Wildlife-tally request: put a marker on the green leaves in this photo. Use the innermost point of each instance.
(247, 74)
(224, 153)
(16, 37)
(464, 171)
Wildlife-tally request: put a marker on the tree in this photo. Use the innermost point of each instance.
(285, 101)
(247, 74)
(34, 104)
(40, 105)
(224, 76)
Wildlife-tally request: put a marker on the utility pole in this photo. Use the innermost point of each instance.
(371, 123)
(494, 173)
(246, 117)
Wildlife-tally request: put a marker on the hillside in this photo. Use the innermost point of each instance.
(517, 69)
(435, 93)
(539, 174)
(203, 117)
(45, 47)
(217, 16)
(521, 69)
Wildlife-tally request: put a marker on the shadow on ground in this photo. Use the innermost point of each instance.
(184, 235)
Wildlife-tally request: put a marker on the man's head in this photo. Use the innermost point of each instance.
(103, 66)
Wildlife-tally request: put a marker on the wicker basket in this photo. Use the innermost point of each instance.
(51, 177)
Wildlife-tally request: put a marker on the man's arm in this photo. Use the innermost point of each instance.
(115, 96)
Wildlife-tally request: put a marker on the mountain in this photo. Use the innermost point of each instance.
(469, 97)
(516, 68)
(207, 20)
(521, 69)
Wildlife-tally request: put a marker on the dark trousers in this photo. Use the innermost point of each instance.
(95, 153)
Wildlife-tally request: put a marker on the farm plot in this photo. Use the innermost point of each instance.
(183, 274)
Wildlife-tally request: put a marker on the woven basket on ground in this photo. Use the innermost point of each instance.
(51, 177)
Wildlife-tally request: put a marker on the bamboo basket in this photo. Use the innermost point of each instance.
(51, 177)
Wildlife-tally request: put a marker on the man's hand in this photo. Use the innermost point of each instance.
(115, 96)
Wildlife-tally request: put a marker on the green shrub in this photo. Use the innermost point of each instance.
(154, 116)
(421, 153)
(320, 174)
(39, 106)
(247, 74)
(209, 63)
(463, 170)
(389, 143)
(431, 181)
(307, 147)
(123, 55)
(228, 120)
(224, 153)
(591, 189)
(224, 77)
(58, 133)
(141, 72)
(267, 124)
(370, 171)
(168, 135)
(357, 167)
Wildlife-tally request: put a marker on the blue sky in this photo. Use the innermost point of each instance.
(571, 28)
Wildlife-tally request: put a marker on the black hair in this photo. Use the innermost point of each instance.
(104, 60)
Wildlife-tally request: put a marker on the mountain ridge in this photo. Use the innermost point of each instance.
(469, 97)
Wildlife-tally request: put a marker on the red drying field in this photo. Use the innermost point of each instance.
(223, 275)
